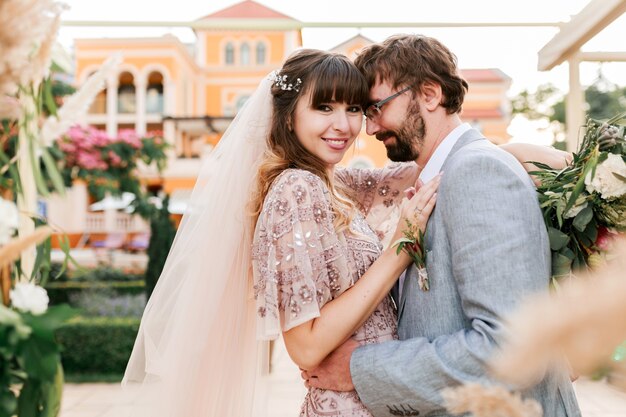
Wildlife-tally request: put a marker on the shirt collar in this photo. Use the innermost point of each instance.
(434, 164)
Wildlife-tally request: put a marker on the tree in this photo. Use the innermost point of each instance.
(161, 239)
(604, 99)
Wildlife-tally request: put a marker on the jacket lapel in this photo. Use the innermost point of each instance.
(468, 137)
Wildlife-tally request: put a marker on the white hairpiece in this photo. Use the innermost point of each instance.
(281, 81)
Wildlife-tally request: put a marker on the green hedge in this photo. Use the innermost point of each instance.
(97, 344)
(61, 292)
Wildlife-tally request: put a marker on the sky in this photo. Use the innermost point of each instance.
(513, 50)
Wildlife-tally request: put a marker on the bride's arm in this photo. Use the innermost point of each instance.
(309, 343)
(527, 153)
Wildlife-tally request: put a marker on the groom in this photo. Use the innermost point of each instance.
(486, 244)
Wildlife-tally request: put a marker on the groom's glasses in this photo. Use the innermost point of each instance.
(374, 111)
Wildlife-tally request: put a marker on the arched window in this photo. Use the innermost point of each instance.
(244, 50)
(126, 93)
(260, 53)
(229, 54)
(154, 93)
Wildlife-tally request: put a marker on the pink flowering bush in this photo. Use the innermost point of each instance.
(108, 164)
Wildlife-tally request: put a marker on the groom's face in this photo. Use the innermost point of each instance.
(399, 124)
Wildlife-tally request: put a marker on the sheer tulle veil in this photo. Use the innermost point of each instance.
(196, 354)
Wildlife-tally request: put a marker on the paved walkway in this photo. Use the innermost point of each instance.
(597, 399)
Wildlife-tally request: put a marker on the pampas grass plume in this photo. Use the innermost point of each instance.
(492, 401)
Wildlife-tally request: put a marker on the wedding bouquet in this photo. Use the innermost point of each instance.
(584, 204)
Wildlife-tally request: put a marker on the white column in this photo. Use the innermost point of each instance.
(140, 109)
(112, 85)
(201, 50)
(169, 97)
(574, 111)
(169, 132)
(110, 214)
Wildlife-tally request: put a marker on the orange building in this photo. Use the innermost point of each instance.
(192, 91)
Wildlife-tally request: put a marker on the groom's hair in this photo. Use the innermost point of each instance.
(412, 60)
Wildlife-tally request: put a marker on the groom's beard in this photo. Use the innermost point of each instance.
(409, 137)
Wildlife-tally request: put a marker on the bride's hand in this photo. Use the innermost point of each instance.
(418, 208)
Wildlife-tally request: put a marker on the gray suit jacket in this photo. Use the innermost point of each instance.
(487, 248)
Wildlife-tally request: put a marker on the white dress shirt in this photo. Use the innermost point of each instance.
(433, 167)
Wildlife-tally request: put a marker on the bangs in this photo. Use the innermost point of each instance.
(336, 79)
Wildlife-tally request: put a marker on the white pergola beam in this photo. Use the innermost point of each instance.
(597, 15)
(603, 56)
(291, 24)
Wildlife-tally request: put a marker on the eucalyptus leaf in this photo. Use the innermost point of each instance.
(591, 231)
(583, 218)
(557, 238)
(561, 264)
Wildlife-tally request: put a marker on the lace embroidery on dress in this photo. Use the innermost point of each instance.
(379, 193)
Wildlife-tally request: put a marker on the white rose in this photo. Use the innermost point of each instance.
(29, 298)
(9, 220)
(604, 182)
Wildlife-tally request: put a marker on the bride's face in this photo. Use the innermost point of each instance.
(328, 130)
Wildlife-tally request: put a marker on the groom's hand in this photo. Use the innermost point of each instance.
(334, 371)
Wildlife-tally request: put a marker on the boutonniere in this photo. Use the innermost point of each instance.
(413, 244)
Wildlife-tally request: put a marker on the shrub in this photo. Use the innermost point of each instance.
(97, 344)
(68, 291)
(106, 303)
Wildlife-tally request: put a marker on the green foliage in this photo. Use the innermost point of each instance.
(536, 105)
(104, 273)
(572, 213)
(97, 344)
(66, 292)
(161, 239)
(29, 357)
(603, 100)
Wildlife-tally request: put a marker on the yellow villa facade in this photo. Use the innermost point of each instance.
(192, 92)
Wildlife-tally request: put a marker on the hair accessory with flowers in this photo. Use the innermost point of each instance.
(413, 244)
(584, 204)
(281, 81)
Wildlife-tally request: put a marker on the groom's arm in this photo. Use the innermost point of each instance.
(499, 255)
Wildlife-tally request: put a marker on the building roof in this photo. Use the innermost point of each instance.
(355, 39)
(472, 114)
(247, 9)
(484, 75)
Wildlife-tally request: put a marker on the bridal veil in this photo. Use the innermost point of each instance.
(196, 354)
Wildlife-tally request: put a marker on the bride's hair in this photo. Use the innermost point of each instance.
(329, 77)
